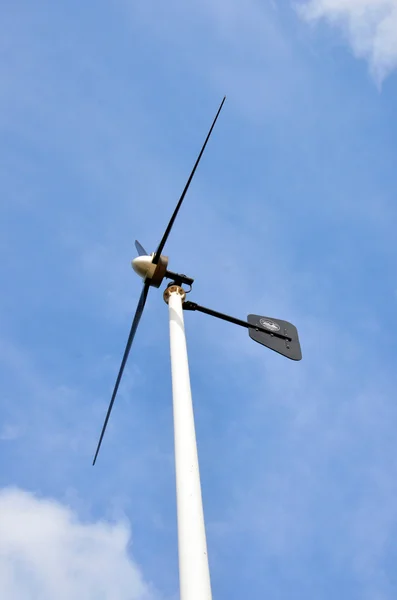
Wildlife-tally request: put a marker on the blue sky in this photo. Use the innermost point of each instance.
(291, 214)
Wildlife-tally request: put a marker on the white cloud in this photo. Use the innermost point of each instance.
(47, 554)
(370, 26)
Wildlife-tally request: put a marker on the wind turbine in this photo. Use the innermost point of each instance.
(280, 336)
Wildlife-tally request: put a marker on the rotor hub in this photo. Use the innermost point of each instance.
(145, 268)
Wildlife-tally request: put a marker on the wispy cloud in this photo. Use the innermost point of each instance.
(369, 25)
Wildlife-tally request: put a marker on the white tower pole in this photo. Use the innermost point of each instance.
(194, 575)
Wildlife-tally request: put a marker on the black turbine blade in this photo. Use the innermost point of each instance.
(134, 326)
(140, 249)
(178, 206)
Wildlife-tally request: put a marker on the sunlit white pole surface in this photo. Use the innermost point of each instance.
(194, 576)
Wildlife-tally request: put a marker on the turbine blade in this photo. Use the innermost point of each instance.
(178, 206)
(140, 249)
(134, 326)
